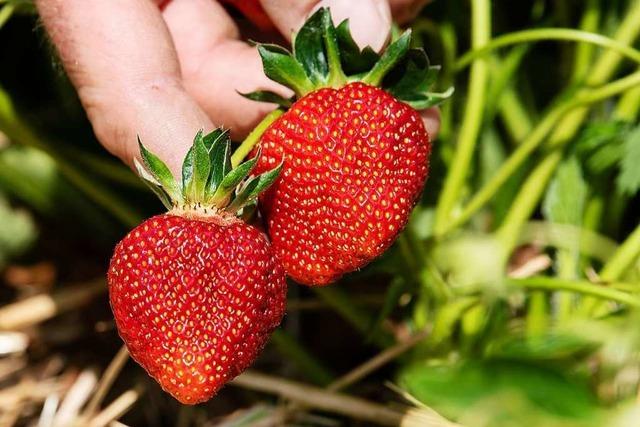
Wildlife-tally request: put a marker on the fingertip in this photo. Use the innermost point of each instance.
(431, 120)
(369, 20)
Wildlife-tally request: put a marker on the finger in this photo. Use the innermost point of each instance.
(369, 20)
(431, 120)
(216, 66)
(404, 11)
(119, 56)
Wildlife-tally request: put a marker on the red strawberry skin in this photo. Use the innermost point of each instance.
(195, 300)
(356, 160)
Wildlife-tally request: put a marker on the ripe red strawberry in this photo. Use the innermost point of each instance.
(355, 148)
(254, 11)
(196, 292)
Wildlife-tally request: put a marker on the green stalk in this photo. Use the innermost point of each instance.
(18, 132)
(537, 320)
(354, 315)
(470, 128)
(616, 47)
(628, 106)
(526, 201)
(581, 287)
(584, 51)
(514, 116)
(623, 258)
(312, 368)
(559, 139)
(5, 14)
(252, 139)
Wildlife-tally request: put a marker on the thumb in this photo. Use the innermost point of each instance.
(369, 20)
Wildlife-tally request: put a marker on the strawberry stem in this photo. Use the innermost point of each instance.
(252, 139)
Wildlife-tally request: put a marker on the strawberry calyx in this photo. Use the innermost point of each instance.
(210, 185)
(327, 56)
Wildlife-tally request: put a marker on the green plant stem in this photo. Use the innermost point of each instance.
(252, 139)
(584, 51)
(581, 287)
(5, 14)
(623, 258)
(514, 116)
(537, 318)
(526, 201)
(309, 366)
(19, 132)
(548, 34)
(535, 139)
(628, 106)
(356, 316)
(470, 128)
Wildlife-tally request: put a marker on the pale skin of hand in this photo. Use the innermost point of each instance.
(164, 73)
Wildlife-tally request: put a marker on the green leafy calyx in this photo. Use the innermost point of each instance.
(327, 56)
(209, 184)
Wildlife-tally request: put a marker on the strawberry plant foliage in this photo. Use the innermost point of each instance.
(208, 179)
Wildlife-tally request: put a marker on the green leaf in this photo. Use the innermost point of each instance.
(628, 182)
(195, 170)
(220, 157)
(502, 393)
(153, 185)
(414, 74)
(214, 137)
(354, 60)
(254, 187)
(283, 68)
(308, 47)
(233, 178)
(566, 196)
(268, 96)
(389, 59)
(159, 170)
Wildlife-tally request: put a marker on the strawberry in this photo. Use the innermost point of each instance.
(355, 149)
(196, 292)
(254, 12)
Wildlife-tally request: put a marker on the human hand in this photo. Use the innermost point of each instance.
(164, 73)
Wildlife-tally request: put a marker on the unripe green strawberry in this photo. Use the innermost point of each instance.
(196, 292)
(355, 149)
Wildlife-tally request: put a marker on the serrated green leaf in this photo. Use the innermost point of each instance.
(233, 178)
(254, 187)
(195, 170)
(354, 60)
(414, 74)
(628, 182)
(220, 156)
(389, 59)
(159, 170)
(284, 69)
(309, 50)
(566, 196)
(428, 99)
(213, 137)
(153, 185)
(268, 96)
